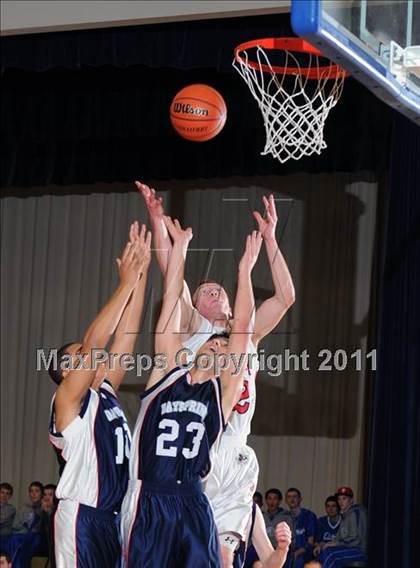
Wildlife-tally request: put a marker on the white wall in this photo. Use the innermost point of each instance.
(19, 17)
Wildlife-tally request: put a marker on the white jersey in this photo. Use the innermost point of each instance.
(239, 423)
(93, 451)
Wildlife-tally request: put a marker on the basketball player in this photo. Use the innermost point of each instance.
(166, 518)
(88, 428)
(234, 477)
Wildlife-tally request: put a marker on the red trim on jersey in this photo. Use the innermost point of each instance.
(243, 408)
(54, 445)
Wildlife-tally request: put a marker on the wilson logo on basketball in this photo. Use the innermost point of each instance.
(189, 109)
(198, 112)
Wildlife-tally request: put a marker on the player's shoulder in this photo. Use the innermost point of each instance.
(197, 323)
(174, 375)
(211, 388)
(106, 388)
(215, 386)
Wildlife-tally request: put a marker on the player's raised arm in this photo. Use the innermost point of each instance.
(270, 557)
(272, 310)
(161, 239)
(168, 329)
(76, 382)
(128, 326)
(163, 246)
(238, 347)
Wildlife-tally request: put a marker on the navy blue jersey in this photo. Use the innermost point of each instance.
(305, 527)
(326, 530)
(93, 452)
(177, 425)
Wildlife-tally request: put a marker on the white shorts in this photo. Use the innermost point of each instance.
(128, 513)
(231, 486)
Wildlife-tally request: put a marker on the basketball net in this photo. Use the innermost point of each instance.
(294, 110)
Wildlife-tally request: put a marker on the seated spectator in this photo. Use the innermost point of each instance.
(49, 501)
(27, 539)
(7, 511)
(327, 527)
(305, 529)
(275, 514)
(5, 560)
(258, 499)
(48, 507)
(28, 518)
(349, 544)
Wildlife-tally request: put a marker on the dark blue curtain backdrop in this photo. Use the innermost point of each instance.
(394, 479)
(93, 106)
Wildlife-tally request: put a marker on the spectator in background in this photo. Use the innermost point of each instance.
(305, 529)
(48, 507)
(258, 499)
(275, 514)
(26, 540)
(49, 502)
(5, 561)
(7, 511)
(350, 542)
(28, 518)
(327, 526)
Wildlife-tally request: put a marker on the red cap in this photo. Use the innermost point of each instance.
(347, 491)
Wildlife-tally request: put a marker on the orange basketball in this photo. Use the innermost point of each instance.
(198, 112)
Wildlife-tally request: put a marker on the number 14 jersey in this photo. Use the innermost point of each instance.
(178, 423)
(93, 451)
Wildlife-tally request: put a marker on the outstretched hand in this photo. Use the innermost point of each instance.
(154, 204)
(129, 265)
(142, 238)
(135, 256)
(252, 250)
(267, 224)
(178, 234)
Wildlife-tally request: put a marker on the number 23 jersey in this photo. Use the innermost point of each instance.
(178, 423)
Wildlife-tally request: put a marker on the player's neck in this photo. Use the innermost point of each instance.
(201, 375)
(219, 320)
